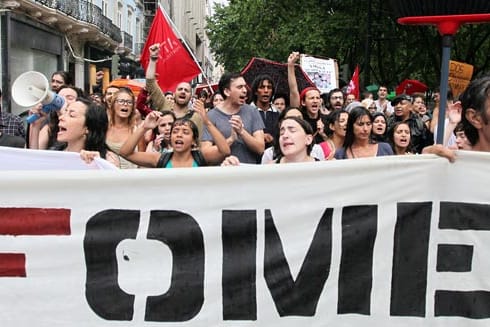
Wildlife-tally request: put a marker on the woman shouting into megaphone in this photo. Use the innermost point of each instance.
(43, 131)
(82, 128)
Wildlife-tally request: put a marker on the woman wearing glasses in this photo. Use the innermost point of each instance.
(122, 124)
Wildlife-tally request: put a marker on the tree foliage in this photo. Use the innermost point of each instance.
(351, 31)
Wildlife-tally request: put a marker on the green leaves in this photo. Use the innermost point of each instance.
(342, 29)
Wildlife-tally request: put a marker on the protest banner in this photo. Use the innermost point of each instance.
(460, 75)
(322, 71)
(389, 241)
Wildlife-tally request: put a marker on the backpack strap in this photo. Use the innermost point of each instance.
(164, 159)
(199, 158)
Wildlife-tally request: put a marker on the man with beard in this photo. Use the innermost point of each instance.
(239, 122)
(335, 100)
(262, 94)
(182, 94)
(309, 101)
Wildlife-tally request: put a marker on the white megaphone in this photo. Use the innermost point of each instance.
(31, 88)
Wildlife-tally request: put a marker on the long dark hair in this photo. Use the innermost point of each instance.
(97, 124)
(53, 115)
(354, 115)
(67, 79)
(376, 137)
(332, 118)
(475, 97)
(391, 137)
(155, 130)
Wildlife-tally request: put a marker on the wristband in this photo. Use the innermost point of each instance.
(154, 58)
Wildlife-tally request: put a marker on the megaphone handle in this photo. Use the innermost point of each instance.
(32, 118)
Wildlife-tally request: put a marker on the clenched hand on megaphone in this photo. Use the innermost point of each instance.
(31, 88)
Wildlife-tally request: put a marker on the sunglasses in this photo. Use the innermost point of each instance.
(405, 97)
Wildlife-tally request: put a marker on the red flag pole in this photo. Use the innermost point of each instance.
(353, 87)
(176, 30)
(176, 64)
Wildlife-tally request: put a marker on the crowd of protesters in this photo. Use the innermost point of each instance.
(247, 124)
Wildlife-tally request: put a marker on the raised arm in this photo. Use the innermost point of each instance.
(38, 131)
(99, 78)
(157, 96)
(145, 159)
(294, 100)
(454, 115)
(152, 63)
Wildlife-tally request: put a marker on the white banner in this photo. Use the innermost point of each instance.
(322, 71)
(391, 241)
(22, 159)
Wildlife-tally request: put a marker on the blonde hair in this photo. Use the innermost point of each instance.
(112, 111)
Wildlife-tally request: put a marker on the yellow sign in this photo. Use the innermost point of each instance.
(460, 75)
(458, 85)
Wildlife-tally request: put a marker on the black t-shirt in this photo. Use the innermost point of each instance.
(312, 121)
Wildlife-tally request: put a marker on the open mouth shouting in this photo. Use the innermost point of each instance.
(403, 141)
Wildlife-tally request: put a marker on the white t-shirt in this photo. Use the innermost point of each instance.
(316, 152)
(452, 137)
(389, 107)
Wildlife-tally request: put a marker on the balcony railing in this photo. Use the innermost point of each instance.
(87, 12)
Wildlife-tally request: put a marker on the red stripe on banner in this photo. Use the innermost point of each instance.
(12, 265)
(34, 221)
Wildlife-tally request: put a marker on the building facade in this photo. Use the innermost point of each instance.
(81, 37)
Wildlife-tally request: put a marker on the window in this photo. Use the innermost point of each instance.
(138, 35)
(129, 26)
(105, 7)
(119, 14)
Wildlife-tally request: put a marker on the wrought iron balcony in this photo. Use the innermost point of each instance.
(86, 12)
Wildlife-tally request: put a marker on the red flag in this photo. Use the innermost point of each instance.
(353, 87)
(175, 64)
